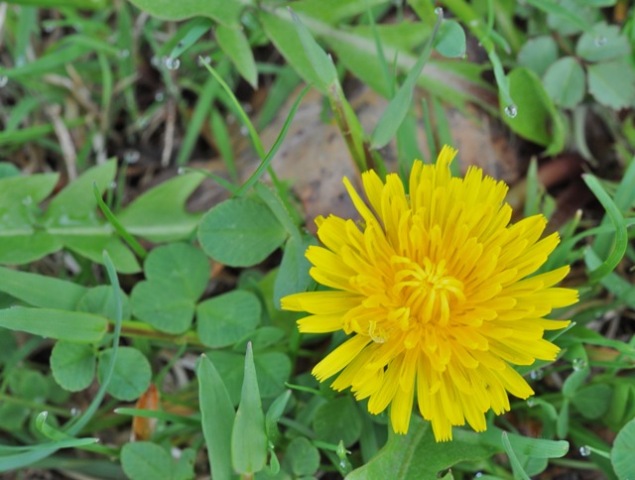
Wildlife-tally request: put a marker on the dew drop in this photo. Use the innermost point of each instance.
(75, 411)
(155, 61)
(3, 81)
(131, 156)
(27, 201)
(473, 23)
(438, 12)
(600, 41)
(585, 450)
(159, 96)
(180, 171)
(531, 402)
(536, 374)
(342, 464)
(123, 53)
(204, 60)
(478, 474)
(511, 111)
(49, 27)
(579, 364)
(112, 185)
(171, 63)
(244, 131)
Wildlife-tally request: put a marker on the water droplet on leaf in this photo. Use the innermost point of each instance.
(600, 41)
(438, 11)
(579, 364)
(531, 402)
(536, 374)
(511, 111)
(585, 450)
(131, 156)
(172, 63)
(124, 53)
(3, 81)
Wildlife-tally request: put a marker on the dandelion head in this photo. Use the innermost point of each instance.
(438, 295)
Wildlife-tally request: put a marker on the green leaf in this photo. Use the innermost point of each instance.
(183, 267)
(417, 455)
(158, 305)
(76, 202)
(602, 42)
(302, 457)
(612, 83)
(92, 247)
(273, 369)
(58, 324)
(236, 46)
(593, 401)
(39, 290)
(226, 12)
(217, 418)
(240, 232)
(249, 441)
(285, 37)
(225, 319)
(450, 41)
(564, 82)
(273, 416)
(159, 214)
(101, 301)
(400, 104)
(144, 460)
(73, 365)
(338, 419)
(293, 275)
(131, 376)
(536, 118)
(538, 53)
(8, 170)
(622, 452)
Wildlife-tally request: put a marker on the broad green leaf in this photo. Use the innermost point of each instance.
(76, 202)
(338, 420)
(8, 170)
(536, 118)
(158, 305)
(622, 452)
(293, 275)
(182, 266)
(249, 441)
(321, 63)
(450, 40)
(58, 324)
(92, 247)
(217, 418)
(19, 198)
(286, 39)
(40, 290)
(225, 319)
(538, 53)
(302, 457)
(101, 301)
(240, 232)
(73, 365)
(564, 82)
(236, 46)
(602, 42)
(417, 455)
(159, 215)
(612, 83)
(131, 376)
(145, 460)
(226, 12)
(593, 401)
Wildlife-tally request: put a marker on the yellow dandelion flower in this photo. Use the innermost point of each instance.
(436, 293)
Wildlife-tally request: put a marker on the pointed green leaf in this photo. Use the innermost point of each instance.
(58, 324)
(249, 441)
(217, 418)
(236, 46)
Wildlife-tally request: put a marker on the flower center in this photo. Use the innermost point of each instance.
(426, 289)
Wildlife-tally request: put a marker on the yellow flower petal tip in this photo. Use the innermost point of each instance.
(438, 293)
